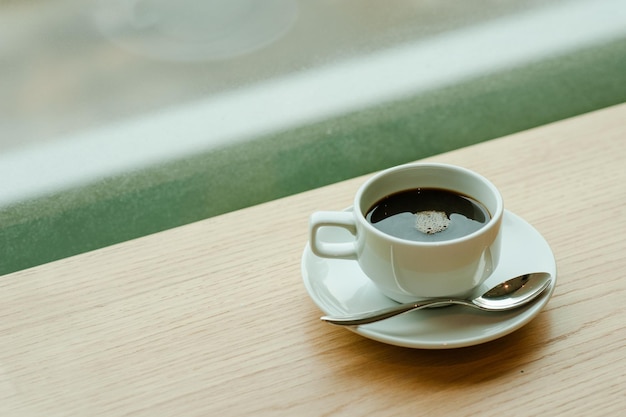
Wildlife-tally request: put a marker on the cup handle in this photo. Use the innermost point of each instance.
(342, 219)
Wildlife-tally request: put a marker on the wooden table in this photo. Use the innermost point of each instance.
(213, 319)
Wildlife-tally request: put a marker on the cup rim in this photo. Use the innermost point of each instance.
(493, 221)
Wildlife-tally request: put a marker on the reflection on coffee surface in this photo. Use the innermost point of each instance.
(428, 215)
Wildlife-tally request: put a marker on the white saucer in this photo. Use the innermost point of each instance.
(340, 287)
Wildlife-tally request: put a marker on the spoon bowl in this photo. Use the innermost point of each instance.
(507, 295)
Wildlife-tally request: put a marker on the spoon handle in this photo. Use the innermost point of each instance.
(385, 313)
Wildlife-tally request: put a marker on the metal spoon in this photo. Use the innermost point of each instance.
(507, 295)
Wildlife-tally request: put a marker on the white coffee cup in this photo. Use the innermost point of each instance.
(407, 270)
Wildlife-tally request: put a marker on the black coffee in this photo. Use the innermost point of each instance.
(428, 215)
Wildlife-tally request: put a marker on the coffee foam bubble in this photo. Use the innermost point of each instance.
(431, 221)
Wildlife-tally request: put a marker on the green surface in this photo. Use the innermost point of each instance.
(229, 178)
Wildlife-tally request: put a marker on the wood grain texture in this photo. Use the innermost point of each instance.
(212, 318)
